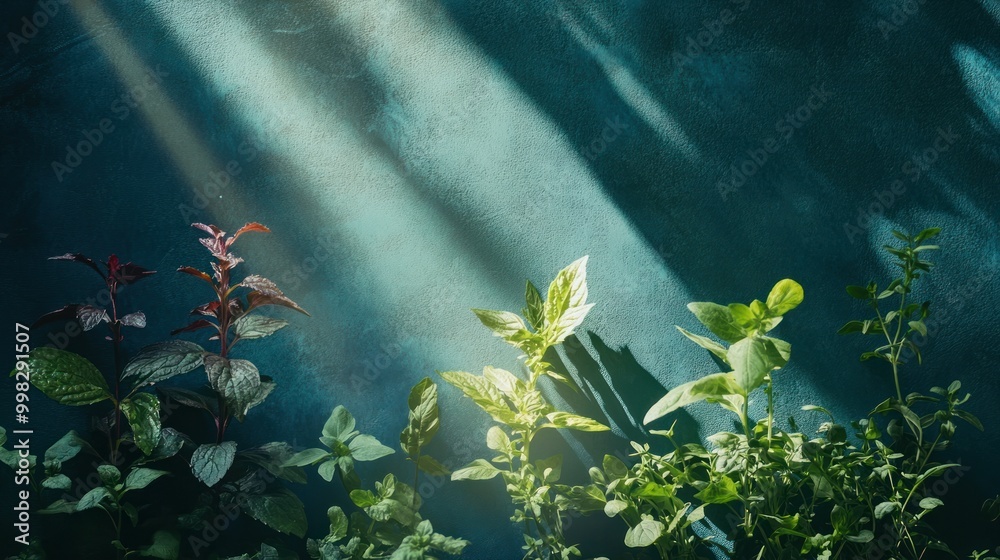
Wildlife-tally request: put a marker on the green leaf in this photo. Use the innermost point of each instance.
(930, 503)
(252, 326)
(340, 425)
(164, 360)
(66, 377)
(858, 292)
(550, 469)
(534, 310)
(566, 305)
(851, 327)
(707, 343)
(424, 418)
(327, 469)
(211, 461)
(367, 448)
(110, 475)
(476, 470)
(503, 323)
(60, 506)
(363, 498)
(785, 295)
(67, 447)
(926, 234)
(614, 467)
(166, 546)
(237, 381)
(885, 508)
(58, 482)
(751, 361)
(93, 498)
(432, 466)
(143, 413)
(483, 393)
(718, 319)
(280, 510)
(719, 491)
(497, 440)
(614, 507)
(142, 477)
(171, 441)
(919, 327)
(933, 471)
(571, 421)
(645, 533)
(338, 524)
(715, 385)
(306, 457)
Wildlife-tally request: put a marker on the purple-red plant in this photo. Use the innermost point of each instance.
(58, 385)
(230, 317)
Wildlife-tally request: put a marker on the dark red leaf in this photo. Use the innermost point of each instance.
(209, 229)
(252, 226)
(210, 309)
(67, 313)
(196, 273)
(258, 299)
(199, 324)
(90, 316)
(80, 259)
(129, 273)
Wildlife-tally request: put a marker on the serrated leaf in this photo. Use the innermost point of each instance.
(503, 323)
(566, 305)
(66, 377)
(58, 482)
(476, 470)
(164, 360)
(211, 461)
(252, 326)
(237, 381)
(280, 510)
(137, 320)
(143, 413)
(483, 393)
(90, 316)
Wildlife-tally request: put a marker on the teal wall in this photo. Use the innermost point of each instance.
(417, 159)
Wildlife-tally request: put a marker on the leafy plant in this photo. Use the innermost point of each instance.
(388, 524)
(73, 380)
(521, 410)
(787, 494)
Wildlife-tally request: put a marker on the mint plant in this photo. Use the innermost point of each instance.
(388, 523)
(521, 410)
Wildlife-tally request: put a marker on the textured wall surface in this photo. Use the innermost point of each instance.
(417, 159)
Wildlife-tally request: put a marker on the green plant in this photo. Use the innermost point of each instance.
(786, 494)
(521, 410)
(388, 523)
